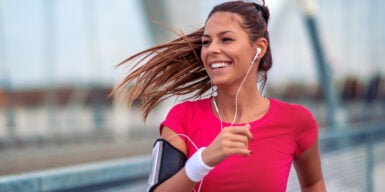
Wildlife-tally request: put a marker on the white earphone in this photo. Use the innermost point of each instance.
(256, 55)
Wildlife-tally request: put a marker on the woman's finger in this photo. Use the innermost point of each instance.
(241, 130)
(236, 138)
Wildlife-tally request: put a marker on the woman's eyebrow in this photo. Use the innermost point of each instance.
(220, 33)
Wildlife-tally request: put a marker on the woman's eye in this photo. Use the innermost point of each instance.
(227, 39)
(205, 42)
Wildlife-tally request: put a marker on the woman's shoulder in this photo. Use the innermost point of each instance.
(192, 104)
(290, 107)
(296, 113)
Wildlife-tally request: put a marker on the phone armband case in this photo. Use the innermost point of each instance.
(166, 161)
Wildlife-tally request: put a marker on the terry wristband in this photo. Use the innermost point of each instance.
(195, 168)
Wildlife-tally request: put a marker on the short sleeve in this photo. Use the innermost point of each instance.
(176, 119)
(307, 130)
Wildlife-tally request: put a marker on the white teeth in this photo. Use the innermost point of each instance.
(219, 65)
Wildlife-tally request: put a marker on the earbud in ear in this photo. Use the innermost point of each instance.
(256, 55)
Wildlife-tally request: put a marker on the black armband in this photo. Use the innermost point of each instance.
(166, 162)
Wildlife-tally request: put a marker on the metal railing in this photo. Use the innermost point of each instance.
(92, 177)
(353, 160)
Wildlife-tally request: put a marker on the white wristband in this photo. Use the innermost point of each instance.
(195, 168)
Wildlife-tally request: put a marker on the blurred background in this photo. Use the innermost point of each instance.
(57, 68)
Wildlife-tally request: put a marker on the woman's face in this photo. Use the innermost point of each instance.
(226, 49)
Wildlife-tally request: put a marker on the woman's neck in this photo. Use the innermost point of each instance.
(242, 107)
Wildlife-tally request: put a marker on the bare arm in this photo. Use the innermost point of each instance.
(308, 167)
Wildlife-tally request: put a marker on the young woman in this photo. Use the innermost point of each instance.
(235, 139)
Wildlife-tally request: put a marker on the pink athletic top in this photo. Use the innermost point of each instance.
(283, 133)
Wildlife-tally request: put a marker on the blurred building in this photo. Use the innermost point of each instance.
(59, 57)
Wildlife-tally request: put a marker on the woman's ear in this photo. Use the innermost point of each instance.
(261, 44)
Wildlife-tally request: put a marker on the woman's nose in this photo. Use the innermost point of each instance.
(213, 48)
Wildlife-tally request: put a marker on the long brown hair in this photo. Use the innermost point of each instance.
(175, 68)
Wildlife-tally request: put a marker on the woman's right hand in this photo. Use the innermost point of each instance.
(230, 141)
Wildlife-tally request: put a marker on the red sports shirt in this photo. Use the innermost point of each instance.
(282, 134)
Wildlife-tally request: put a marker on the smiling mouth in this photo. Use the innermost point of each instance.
(219, 65)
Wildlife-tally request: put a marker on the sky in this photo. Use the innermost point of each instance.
(64, 42)
(56, 42)
(61, 42)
